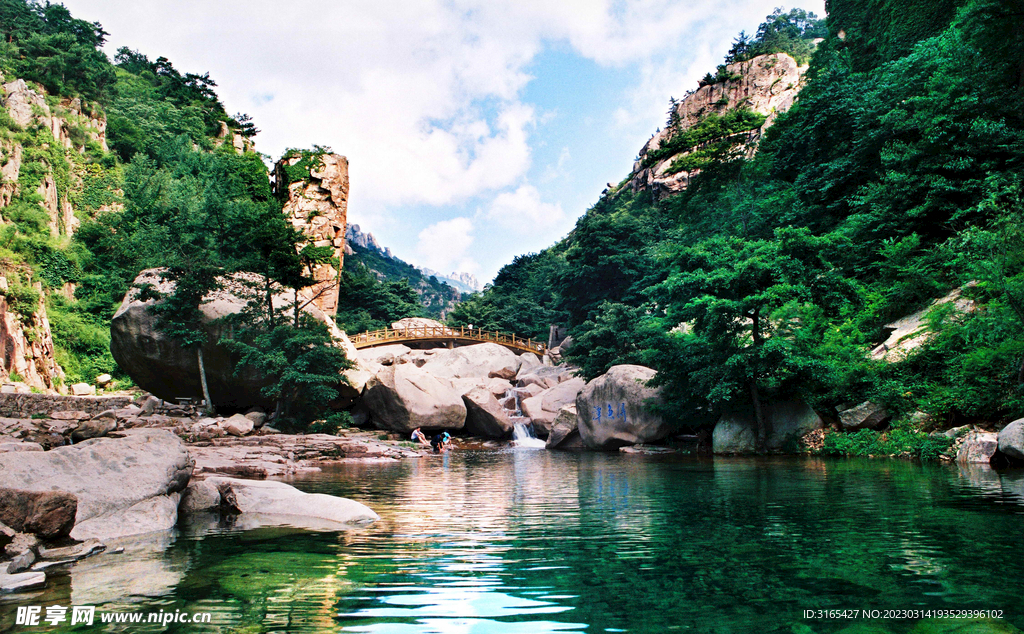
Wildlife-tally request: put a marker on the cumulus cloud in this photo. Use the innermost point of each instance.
(443, 246)
(523, 209)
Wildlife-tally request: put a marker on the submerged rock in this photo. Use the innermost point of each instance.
(280, 501)
(615, 409)
(786, 423)
(22, 581)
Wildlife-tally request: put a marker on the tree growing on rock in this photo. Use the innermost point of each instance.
(744, 310)
(304, 365)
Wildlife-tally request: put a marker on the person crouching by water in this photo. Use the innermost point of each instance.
(420, 437)
(441, 442)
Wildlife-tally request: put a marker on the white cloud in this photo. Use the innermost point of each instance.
(443, 246)
(524, 210)
(423, 96)
(553, 172)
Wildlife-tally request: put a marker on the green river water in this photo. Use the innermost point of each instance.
(537, 541)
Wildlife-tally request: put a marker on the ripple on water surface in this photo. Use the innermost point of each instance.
(537, 541)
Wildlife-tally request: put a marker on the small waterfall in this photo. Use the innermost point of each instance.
(522, 433)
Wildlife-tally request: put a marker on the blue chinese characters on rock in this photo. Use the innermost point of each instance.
(600, 412)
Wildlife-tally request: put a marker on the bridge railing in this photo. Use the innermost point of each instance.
(378, 337)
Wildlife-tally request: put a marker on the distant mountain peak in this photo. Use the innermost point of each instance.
(354, 235)
(465, 282)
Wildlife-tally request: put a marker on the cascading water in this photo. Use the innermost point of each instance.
(522, 433)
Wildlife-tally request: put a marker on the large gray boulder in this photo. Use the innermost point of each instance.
(482, 360)
(484, 414)
(565, 430)
(543, 408)
(158, 363)
(1011, 440)
(867, 415)
(414, 324)
(787, 422)
(544, 375)
(978, 447)
(403, 397)
(384, 355)
(277, 502)
(615, 409)
(124, 486)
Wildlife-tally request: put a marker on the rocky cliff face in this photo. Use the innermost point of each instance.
(70, 128)
(48, 166)
(766, 85)
(237, 141)
(317, 204)
(26, 348)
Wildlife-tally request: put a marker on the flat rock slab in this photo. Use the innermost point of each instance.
(277, 499)
(22, 581)
(646, 450)
(285, 454)
(6, 447)
(73, 553)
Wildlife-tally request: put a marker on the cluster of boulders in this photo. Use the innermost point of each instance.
(987, 447)
(479, 389)
(62, 505)
(66, 427)
(447, 389)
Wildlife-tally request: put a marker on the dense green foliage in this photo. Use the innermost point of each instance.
(169, 194)
(711, 127)
(903, 439)
(895, 179)
(521, 300)
(43, 43)
(433, 297)
(367, 303)
(302, 365)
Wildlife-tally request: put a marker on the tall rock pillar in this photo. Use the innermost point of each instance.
(315, 189)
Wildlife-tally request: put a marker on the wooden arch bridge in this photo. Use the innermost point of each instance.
(446, 335)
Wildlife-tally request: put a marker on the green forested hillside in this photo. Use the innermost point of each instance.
(896, 178)
(173, 192)
(376, 292)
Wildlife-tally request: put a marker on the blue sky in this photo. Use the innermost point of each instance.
(476, 130)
